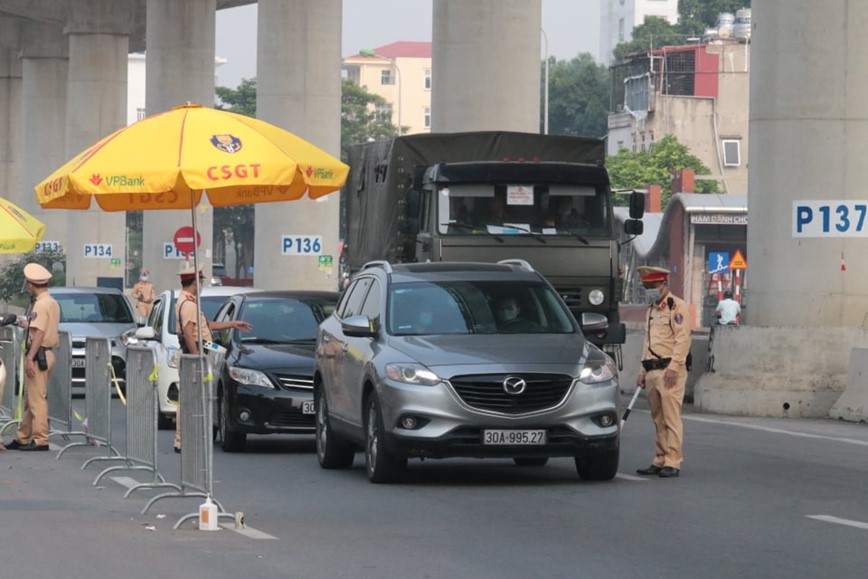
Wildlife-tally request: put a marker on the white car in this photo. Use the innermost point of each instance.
(158, 333)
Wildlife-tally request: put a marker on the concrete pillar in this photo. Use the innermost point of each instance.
(808, 141)
(10, 116)
(486, 60)
(180, 41)
(45, 62)
(98, 33)
(299, 89)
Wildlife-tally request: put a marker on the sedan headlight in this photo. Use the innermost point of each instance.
(412, 374)
(172, 357)
(251, 377)
(596, 297)
(598, 370)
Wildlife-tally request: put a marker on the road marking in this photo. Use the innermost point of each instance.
(837, 521)
(248, 532)
(630, 477)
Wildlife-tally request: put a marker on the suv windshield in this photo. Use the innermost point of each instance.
(475, 307)
(93, 308)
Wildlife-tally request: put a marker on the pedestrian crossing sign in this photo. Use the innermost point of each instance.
(718, 262)
(738, 261)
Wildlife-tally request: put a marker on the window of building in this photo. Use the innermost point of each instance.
(731, 153)
(621, 30)
(384, 112)
(426, 113)
(140, 114)
(386, 76)
(427, 79)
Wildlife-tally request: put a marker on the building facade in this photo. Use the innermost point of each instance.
(619, 17)
(400, 73)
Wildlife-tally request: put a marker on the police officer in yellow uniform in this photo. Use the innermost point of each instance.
(664, 369)
(144, 294)
(187, 326)
(42, 339)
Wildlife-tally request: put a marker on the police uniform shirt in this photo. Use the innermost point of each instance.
(185, 313)
(668, 329)
(45, 316)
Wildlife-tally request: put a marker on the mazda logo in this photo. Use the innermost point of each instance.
(514, 385)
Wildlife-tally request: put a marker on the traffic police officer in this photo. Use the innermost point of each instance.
(664, 369)
(42, 338)
(144, 294)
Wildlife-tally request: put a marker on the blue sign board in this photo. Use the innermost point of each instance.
(718, 262)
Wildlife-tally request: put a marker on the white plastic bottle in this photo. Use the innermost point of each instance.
(208, 516)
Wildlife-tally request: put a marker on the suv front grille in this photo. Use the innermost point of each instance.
(486, 392)
(295, 381)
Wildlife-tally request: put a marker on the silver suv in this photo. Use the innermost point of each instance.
(437, 360)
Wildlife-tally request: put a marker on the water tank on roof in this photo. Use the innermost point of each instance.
(725, 21)
(741, 28)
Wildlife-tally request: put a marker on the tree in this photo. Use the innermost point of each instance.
(360, 121)
(241, 100)
(656, 166)
(578, 97)
(12, 274)
(654, 33)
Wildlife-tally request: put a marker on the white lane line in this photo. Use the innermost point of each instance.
(837, 521)
(125, 481)
(248, 532)
(630, 477)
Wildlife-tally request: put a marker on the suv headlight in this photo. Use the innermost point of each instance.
(596, 297)
(252, 377)
(598, 370)
(172, 357)
(412, 374)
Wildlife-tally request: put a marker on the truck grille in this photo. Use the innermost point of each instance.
(486, 392)
(571, 295)
(295, 381)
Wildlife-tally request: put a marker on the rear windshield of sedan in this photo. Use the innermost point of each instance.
(475, 307)
(93, 308)
(284, 320)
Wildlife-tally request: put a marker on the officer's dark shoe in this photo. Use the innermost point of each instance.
(13, 444)
(33, 446)
(669, 472)
(651, 470)
(177, 450)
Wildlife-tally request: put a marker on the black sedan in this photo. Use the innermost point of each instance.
(266, 383)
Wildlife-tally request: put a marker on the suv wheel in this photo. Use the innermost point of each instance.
(380, 465)
(530, 460)
(331, 450)
(598, 466)
(230, 440)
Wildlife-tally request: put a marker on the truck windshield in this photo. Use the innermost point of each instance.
(475, 307)
(556, 210)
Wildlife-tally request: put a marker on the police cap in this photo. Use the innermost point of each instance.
(651, 274)
(36, 274)
(187, 270)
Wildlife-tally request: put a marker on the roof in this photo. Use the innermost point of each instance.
(84, 290)
(690, 203)
(400, 49)
(271, 294)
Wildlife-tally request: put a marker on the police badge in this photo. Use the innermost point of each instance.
(226, 143)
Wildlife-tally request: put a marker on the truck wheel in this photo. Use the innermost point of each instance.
(331, 451)
(380, 465)
(602, 466)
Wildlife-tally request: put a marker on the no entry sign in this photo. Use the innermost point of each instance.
(184, 239)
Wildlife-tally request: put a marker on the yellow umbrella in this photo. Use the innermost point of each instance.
(168, 160)
(19, 231)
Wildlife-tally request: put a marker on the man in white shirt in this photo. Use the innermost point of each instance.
(728, 310)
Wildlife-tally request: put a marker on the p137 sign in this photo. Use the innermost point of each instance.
(830, 218)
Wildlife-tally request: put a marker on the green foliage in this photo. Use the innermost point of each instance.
(241, 100)
(578, 97)
(656, 166)
(360, 122)
(12, 274)
(654, 33)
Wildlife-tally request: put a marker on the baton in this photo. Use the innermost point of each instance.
(630, 405)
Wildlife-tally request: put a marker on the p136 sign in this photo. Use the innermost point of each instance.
(830, 218)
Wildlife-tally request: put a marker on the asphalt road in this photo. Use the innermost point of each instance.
(757, 498)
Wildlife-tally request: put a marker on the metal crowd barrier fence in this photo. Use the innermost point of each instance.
(142, 412)
(196, 405)
(97, 392)
(9, 350)
(60, 390)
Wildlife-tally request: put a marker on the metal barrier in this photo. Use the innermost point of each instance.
(9, 348)
(97, 391)
(197, 404)
(142, 412)
(60, 390)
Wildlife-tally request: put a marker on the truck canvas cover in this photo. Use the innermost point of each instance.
(382, 172)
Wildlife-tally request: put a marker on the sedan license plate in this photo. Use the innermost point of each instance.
(307, 407)
(513, 437)
(78, 362)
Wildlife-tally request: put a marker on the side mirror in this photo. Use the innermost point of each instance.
(637, 205)
(145, 333)
(634, 227)
(593, 322)
(358, 327)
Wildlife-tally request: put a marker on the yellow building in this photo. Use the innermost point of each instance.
(400, 73)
